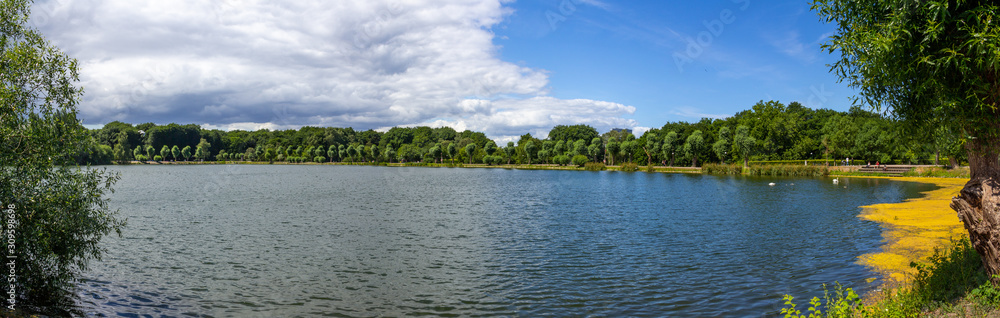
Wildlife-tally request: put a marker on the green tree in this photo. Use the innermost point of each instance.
(175, 153)
(470, 149)
(650, 145)
(490, 147)
(436, 151)
(60, 210)
(571, 133)
(202, 151)
(451, 151)
(669, 146)
(120, 150)
(249, 155)
(580, 160)
(627, 149)
(510, 150)
(373, 152)
(744, 143)
(560, 147)
(332, 153)
(186, 152)
(580, 147)
(930, 62)
(390, 153)
(721, 145)
(165, 152)
(137, 152)
(359, 150)
(594, 150)
(150, 152)
(531, 150)
(613, 149)
(694, 146)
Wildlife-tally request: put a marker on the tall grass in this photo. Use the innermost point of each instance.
(629, 167)
(938, 172)
(767, 170)
(714, 168)
(952, 275)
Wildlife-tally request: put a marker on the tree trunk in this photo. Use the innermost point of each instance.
(694, 162)
(978, 204)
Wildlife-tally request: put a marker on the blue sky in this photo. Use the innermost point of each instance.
(502, 67)
(628, 53)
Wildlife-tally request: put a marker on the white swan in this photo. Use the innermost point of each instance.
(835, 181)
(771, 184)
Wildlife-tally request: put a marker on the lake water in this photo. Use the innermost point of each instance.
(358, 241)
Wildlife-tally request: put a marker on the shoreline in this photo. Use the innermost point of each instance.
(913, 229)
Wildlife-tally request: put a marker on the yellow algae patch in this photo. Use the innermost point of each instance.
(914, 228)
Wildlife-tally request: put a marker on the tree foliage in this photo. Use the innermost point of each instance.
(59, 212)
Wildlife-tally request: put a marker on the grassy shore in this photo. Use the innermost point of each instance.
(443, 165)
(930, 268)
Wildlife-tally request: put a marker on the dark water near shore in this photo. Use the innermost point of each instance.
(350, 241)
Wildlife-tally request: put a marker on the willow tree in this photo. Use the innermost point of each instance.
(55, 213)
(928, 62)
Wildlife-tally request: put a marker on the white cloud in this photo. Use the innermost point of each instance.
(246, 64)
(789, 44)
(695, 114)
(638, 131)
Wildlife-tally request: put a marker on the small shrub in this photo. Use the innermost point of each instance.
(580, 160)
(714, 168)
(629, 167)
(561, 160)
(786, 170)
(594, 166)
(319, 159)
(157, 158)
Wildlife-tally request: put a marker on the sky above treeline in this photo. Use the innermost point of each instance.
(501, 67)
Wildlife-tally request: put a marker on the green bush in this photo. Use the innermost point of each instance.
(561, 160)
(714, 168)
(319, 159)
(786, 170)
(157, 158)
(951, 274)
(629, 167)
(580, 160)
(811, 162)
(594, 166)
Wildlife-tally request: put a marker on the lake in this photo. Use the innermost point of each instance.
(362, 241)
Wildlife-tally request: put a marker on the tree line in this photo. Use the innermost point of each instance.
(768, 131)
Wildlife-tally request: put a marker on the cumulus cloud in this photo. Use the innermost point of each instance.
(253, 64)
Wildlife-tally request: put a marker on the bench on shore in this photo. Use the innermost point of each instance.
(896, 170)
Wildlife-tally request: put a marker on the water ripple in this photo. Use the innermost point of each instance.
(330, 241)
